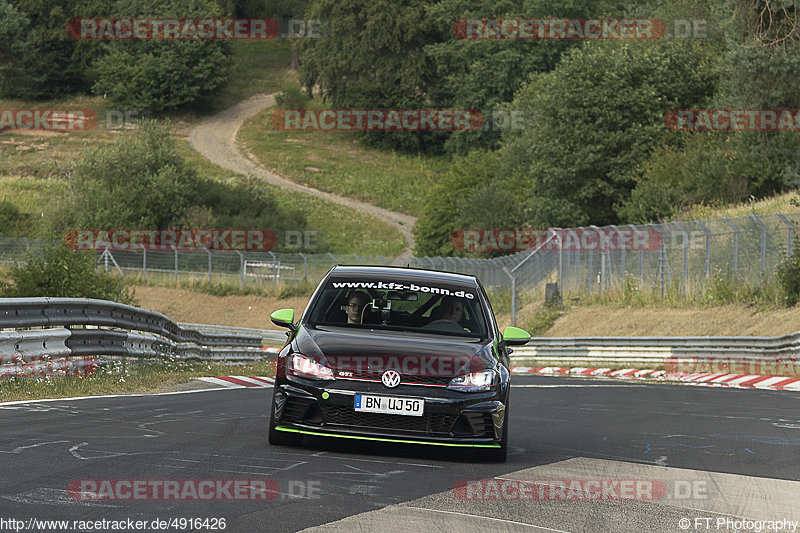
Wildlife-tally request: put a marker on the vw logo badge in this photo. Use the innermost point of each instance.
(391, 378)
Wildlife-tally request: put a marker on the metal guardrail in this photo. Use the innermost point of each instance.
(268, 336)
(774, 355)
(75, 330)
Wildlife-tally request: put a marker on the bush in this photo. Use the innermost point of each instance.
(292, 97)
(64, 273)
(137, 181)
(12, 220)
(789, 279)
(154, 75)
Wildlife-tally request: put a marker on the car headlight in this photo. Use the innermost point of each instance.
(306, 367)
(474, 381)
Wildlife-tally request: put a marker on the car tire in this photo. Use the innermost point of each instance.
(281, 438)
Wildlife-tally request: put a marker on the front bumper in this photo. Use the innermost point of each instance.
(450, 417)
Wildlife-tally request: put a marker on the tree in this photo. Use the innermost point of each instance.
(158, 75)
(371, 56)
(16, 52)
(485, 74)
(594, 119)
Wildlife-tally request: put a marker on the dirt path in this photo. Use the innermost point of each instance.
(215, 139)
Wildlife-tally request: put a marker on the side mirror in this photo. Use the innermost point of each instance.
(284, 318)
(515, 336)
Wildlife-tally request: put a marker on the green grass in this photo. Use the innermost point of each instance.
(257, 67)
(335, 162)
(344, 229)
(199, 283)
(121, 376)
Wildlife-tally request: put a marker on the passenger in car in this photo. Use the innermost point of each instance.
(355, 307)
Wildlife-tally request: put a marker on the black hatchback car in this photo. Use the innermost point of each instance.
(396, 355)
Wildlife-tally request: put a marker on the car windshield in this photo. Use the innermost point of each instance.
(423, 307)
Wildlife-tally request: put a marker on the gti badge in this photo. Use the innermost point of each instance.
(391, 378)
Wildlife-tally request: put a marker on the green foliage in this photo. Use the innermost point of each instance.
(444, 201)
(55, 69)
(12, 220)
(64, 273)
(16, 52)
(155, 75)
(137, 181)
(789, 278)
(371, 56)
(596, 117)
(485, 74)
(292, 97)
(543, 319)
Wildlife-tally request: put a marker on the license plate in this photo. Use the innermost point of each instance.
(389, 405)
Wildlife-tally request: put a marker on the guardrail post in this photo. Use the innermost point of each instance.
(708, 246)
(333, 258)
(735, 243)
(763, 244)
(791, 230)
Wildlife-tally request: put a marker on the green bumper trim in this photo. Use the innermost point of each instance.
(381, 439)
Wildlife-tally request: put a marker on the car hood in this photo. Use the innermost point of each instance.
(343, 341)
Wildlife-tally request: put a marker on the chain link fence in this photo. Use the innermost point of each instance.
(589, 259)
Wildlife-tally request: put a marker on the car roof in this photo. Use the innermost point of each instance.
(402, 273)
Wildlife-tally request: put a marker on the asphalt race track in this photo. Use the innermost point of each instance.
(716, 454)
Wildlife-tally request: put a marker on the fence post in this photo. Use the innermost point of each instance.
(708, 246)
(333, 258)
(513, 297)
(685, 257)
(209, 264)
(241, 260)
(176, 263)
(763, 244)
(641, 256)
(791, 230)
(735, 243)
(144, 262)
(305, 266)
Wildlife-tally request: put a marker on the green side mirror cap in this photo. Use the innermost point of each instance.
(284, 318)
(515, 336)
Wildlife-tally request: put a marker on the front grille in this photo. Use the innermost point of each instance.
(428, 424)
(404, 378)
